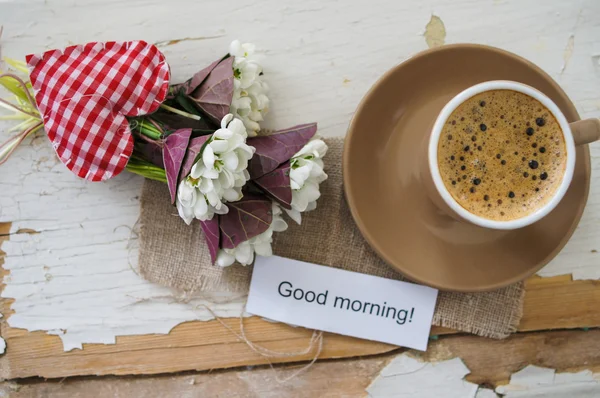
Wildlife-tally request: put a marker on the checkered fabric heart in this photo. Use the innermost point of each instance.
(84, 94)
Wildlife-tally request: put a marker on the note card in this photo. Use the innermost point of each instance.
(340, 301)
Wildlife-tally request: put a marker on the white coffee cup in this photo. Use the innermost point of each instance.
(578, 133)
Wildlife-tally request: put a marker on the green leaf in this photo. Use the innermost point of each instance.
(193, 154)
(14, 87)
(18, 65)
(146, 169)
(145, 127)
(186, 104)
(199, 155)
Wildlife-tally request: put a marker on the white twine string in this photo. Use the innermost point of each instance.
(316, 338)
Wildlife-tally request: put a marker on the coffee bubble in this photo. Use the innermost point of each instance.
(516, 149)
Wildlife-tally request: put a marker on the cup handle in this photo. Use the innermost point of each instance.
(585, 131)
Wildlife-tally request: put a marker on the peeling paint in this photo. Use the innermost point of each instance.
(26, 231)
(534, 381)
(568, 53)
(583, 270)
(171, 42)
(81, 259)
(435, 32)
(89, 259)
(486, 393)
(2, 346)
(406, 376)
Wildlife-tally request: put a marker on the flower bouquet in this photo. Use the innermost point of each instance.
(109, 107)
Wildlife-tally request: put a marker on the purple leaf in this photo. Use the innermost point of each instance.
(150, 150)
(211, 233)
(196, 80)
(248, 217)
(277, 185)
(195, 148)
(273, 150)
(214, 95)
(173, 153)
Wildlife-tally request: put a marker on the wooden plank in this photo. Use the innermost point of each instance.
(194, 345)
(557, 302)
(341, 63)
(560, 303)
(80, 258)
(491, 364)
(493, 361)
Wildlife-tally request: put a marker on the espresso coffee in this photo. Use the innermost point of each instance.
(502, 155)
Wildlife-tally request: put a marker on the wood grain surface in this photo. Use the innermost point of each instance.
(319, 58)
(490, 362)
(70, 250)
(550, 303)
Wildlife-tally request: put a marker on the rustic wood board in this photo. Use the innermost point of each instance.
(550, 303)
(319, 62)
(490, 362)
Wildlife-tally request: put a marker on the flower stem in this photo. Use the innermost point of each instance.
(180, 112)
(15, 117)
(18, 65)
(8, 147)
(24, 125)
(19, 89)
(13, 107)
(149, 130)
(146, 169)
(25, 110)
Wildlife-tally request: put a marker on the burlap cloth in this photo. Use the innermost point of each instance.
(175, 255)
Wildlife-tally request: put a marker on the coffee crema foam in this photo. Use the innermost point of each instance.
(502, 155)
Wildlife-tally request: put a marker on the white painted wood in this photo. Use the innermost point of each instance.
(485, 393)
(76, 278)
(406, 376)
(534, 381)
(320, 57)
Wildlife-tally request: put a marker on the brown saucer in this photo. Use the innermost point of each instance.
(383, 187)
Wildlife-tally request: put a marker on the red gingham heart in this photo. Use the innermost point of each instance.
(84, 94)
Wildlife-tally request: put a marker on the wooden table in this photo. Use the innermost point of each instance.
(70, 279)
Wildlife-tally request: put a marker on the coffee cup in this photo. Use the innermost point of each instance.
(453, 181)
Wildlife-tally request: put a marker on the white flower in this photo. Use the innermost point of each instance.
(237, 49)
(218, 177)
(260, 244)
(250, 102)
(305, 176)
